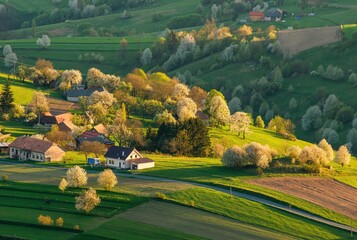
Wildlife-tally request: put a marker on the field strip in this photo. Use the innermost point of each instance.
(255, 199)
(328, 193)
(196, 222)
(57, 172)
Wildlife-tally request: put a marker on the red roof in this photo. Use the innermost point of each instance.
(89, 134)
(256, 14)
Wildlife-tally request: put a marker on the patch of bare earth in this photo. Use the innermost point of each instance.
(327, 193)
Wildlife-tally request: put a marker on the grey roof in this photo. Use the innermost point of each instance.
(83, 92)
(274, 12)
(118, 152)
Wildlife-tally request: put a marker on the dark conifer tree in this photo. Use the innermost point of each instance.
(6, 98)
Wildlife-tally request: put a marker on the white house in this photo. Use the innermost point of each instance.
(127, 158)
(27, 148)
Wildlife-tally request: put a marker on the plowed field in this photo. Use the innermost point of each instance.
(328, 193)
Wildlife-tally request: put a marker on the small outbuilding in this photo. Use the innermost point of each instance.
(275, 14)
(4, 147)
(127, 158)
(256, 16)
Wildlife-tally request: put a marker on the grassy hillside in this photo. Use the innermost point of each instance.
(65, 52)
(225, 205)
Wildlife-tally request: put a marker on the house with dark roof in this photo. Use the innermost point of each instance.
(74, 94)
(127, 158)
(49, 120)
(93, 135)
(273, 14)
(27, 148)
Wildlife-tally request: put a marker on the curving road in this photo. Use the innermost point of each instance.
(249, 197)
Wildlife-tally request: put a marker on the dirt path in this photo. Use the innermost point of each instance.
(324, 192)
(196, 222)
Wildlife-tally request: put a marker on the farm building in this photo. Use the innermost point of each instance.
(256, 16)
(274, 14)
(27, 148)
(127, 158)
(67, 126)
(96, 134)
(4, 147)
(48, 119)
(74, 94)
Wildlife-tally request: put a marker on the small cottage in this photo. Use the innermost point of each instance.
(127, 158)
(27, 148)
(274, 14)
(256, 16)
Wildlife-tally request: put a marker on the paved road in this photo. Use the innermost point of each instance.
(220, 189)
(249, 197)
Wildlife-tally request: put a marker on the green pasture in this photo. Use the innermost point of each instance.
(37, 5)
(211, 171)
(65, 53)
(259, 135)
(21, 204)
(256, 214)
(120, 228)
(141, 22)
(23, 91)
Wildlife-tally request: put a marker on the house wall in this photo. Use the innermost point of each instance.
(73, 99)
(117, 163)
(54, 154)
(144, 165)
(26, 155)
(134, 155)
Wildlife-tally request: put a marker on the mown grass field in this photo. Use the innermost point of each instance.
(21, 204)
(211, 171)
(242, 210)
(202, 223)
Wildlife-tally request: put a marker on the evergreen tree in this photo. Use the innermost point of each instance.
(198, 137)
(6, 98)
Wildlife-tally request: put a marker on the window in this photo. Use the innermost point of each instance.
(136, 156)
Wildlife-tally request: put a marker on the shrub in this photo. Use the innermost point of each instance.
(45, 220)
(4, 178)
(59, 222)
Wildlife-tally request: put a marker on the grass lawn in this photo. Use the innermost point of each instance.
(202, 223)
(22, 203)
(120, 228)
(256, 214)
(211, 171)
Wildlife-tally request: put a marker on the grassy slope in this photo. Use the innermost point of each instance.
(119, 228)
(211, 171)
(23, 202)
(241, 209)
(23, 93)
